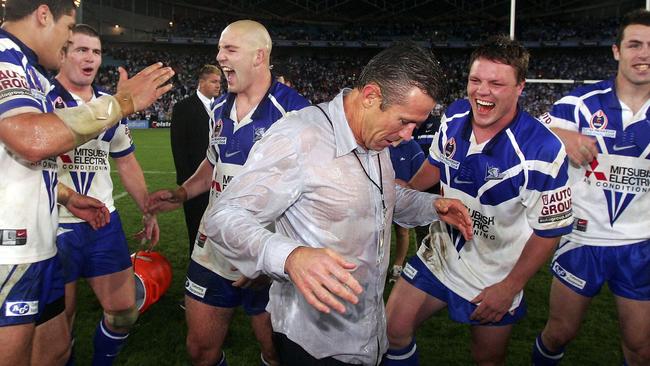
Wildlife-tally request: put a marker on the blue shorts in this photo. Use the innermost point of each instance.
(85, 252)
(584, 269)
(209, 288)
(459, 308)
(34, 292)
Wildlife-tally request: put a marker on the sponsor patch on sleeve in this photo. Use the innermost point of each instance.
(556, 206)
(13, 82)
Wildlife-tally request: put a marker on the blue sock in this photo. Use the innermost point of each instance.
(263, 361)
(624, 361)
(108, 345)
(543, 357)
(407, 356)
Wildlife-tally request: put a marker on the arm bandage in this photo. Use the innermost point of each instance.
(90, 119)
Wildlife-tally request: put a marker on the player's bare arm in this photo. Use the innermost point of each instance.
(171, 199)
(36, 136)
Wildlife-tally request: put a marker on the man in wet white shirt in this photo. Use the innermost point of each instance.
(324, 176)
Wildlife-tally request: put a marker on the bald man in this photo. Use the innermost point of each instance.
(214, 287)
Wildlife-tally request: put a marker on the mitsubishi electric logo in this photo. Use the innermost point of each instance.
(592, 169)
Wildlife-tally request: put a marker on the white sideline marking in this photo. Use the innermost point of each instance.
(120, 195)
(151, 172)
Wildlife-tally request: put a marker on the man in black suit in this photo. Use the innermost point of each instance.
(189, 137)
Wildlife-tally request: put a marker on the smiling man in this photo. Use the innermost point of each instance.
(323, 175)
(101, 256)
(606, 129)
(511, 173)
(214, 287)
(33, 327)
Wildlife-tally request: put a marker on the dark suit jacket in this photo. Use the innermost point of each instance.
(189, 136)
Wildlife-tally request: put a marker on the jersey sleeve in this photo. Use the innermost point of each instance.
(122, 142)
(436, 149)
(15, 89)
(547, 195)
(564, 114)
(211, 152)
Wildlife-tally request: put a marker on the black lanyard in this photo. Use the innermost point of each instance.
(379, 186)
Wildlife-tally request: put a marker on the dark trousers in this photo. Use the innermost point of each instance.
(194, 209)
(291, 354)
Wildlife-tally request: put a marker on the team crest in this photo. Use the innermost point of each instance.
(59, 103)
(218, 126)
(450, 148)
(598, 120)
(259, 133)
(216, 138)
(492, 173)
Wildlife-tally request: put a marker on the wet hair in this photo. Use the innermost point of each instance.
(399, 68)
(639, 16)
(502, 49)
(85, 29)
(19, 9)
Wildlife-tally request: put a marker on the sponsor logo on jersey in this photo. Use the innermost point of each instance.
(556, 206)
(85, 160)
(619, 183)
(21, 308)
(13, 82)
(481, 224)
(230, 154)
(409, 271)
(546, 118)
(591, 169)
(259, 133)
(449, 152)
(580, 224)
(200, 240)
(194, 289)
(568, 276)
(13, 237)
(598, 126)
(493, 173)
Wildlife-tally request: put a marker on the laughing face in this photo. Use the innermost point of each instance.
(82, 59)
(633, 55)
(236, 58)
(493, 92)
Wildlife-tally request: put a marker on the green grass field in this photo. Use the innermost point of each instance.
(159, 336)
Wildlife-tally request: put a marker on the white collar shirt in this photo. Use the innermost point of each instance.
(303, 176)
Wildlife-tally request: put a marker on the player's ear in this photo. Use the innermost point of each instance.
(43, 15)
(259, 57)
(616, 52)
(371, 94)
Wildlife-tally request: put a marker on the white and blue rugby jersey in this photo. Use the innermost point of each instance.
(612, 194)
(86, 168)
(28, 218)
(513, 185)
(230, 143)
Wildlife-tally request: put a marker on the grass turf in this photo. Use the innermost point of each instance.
(159, 336)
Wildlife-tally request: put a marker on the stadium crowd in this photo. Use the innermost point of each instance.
(320, 76)
(528, 30)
